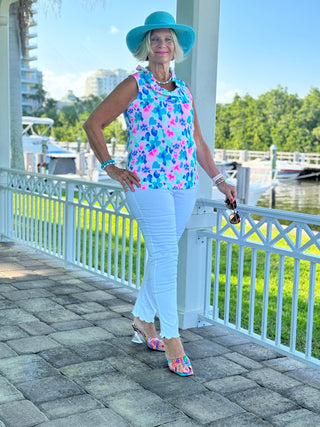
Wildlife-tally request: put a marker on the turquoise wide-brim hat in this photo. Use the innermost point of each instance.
(185, 34)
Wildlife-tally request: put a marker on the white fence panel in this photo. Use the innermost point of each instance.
(264, 280)
(262, 276)
(85, 224)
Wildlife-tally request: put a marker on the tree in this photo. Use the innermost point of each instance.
(21, 13)
(40, 98)
(17, 161)
(275, 117)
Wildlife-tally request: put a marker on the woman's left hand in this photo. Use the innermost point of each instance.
(229, 190)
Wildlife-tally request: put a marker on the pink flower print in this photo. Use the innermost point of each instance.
(153, 152)
(186, 106)
(144, 186)
(176, 168)
(169, 133)
(171, 177)
(190, 151)
(141, 147)
(148, 108)
(134, 130)
(172, 122)
(175, 155)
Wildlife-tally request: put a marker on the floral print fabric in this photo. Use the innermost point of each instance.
(162, 150)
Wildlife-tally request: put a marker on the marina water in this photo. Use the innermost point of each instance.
(301, 196)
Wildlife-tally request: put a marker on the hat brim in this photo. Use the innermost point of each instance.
(185, 35)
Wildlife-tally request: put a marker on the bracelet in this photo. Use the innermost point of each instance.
(107, 163)
(219, 182)
(215, 178)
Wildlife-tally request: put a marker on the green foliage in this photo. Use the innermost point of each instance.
(275, 117)
(69, 119)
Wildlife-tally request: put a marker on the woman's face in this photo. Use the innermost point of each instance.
(162, 46)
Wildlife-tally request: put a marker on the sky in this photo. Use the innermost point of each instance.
(262, 43)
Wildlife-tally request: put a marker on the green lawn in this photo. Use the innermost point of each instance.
(287, 293)
(93, 230)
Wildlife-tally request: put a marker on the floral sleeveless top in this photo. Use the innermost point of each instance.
(162, 150)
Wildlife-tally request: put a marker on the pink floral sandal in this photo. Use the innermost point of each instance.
(180, 361)
(140, 337)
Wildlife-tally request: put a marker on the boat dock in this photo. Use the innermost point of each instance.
(307, 164)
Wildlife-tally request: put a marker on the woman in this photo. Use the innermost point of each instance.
(161, 179)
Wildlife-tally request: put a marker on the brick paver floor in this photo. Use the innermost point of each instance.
(66, 359)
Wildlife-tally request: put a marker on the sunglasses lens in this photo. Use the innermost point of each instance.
(231, 205)
(235, 218)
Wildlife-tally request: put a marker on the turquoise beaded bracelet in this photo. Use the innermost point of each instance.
(219, 182)
(107, 163)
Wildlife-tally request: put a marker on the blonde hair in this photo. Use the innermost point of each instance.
(144, 48)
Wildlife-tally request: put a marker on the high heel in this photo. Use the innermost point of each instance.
(152, 343)
(180, 361)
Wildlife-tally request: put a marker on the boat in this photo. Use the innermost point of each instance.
(37, 142)
(256, 190)
(262, 168)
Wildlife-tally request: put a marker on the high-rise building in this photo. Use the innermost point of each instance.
(31, 78)
(102, 82)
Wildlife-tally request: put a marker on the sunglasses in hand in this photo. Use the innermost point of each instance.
(234, 218)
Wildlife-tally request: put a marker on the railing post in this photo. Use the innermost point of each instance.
(92, 167)
(243, 156)
(68, 226)
(243, 184)
(192, 268)
(80, 163)
(224, 155)
(4, 211)
(29, 162)
(273, 155)
(296, 156)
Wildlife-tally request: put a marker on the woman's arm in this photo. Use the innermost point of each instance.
(115, 104)
(206, 161)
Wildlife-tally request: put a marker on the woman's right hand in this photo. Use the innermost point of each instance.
(126, 178)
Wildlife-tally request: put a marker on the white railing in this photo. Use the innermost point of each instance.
(86, 224)
(221, 154)
(263, 278)
(246, 155)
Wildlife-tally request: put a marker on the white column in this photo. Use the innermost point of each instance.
(200, 71)
(4, 109)
(4, 85)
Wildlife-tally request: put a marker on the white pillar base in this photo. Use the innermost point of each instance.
(192, 268)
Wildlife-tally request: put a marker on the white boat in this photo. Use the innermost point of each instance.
(261, 168)
(35, 139)
(256, 190)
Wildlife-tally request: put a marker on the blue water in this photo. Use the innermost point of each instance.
(295, 196)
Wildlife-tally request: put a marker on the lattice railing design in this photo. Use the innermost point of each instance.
(264, 277)
(84, 223)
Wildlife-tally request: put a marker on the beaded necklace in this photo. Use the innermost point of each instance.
(164, 83)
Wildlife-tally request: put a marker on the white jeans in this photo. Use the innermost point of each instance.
(162, 216)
